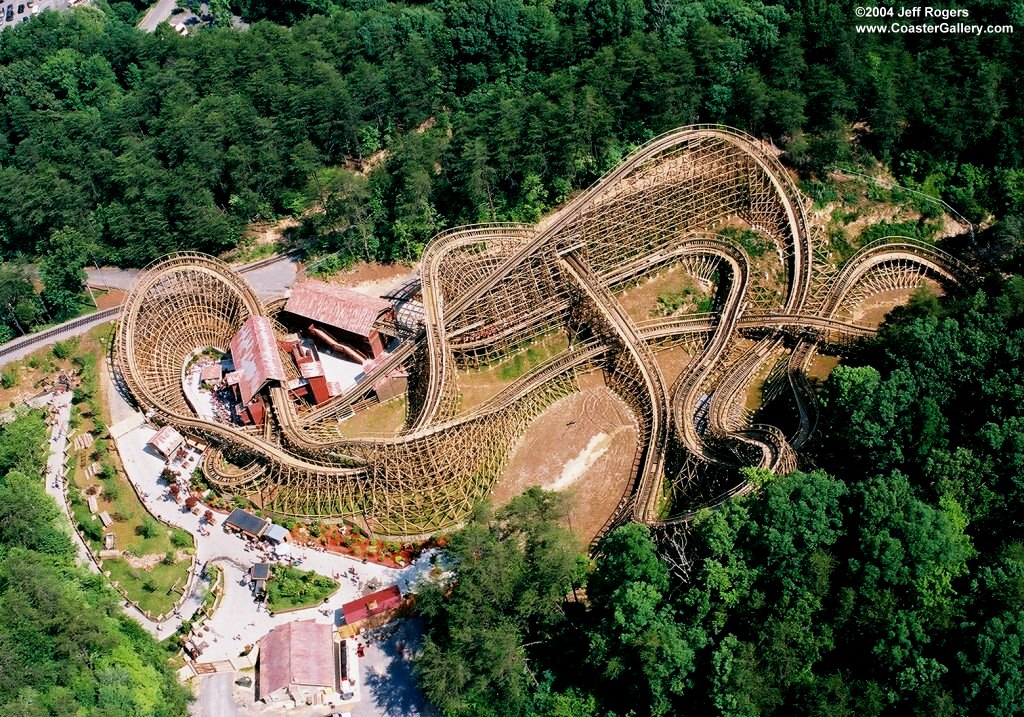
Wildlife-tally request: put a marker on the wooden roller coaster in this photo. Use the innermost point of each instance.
(487, 290)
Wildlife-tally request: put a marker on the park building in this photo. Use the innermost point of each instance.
(332, 337)
(302, 663)
(250, 525)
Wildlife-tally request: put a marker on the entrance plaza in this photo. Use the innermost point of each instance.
(240, 620)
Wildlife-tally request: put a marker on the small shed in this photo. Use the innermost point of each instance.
(166, 441)
(212, 373)
(259, 574)
(276, 533)
(244, 522)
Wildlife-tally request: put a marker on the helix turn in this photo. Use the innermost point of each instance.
(487, 290)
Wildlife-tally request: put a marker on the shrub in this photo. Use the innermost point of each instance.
(181, 538)
(112, 491)
(8, 379)
(168, 558)
(148, 528)
(61, 350)
(91, 530)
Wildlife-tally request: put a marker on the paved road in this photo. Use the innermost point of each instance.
(270, 282)
(157, 14)
(216, 698)
(389, 684)
(110, 277)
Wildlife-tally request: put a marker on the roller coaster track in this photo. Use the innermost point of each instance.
(486, 290)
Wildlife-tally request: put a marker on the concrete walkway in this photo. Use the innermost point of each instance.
(239, 620)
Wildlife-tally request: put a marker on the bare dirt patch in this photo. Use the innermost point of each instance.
(755, 389)
(380, 419)
(584, 445)
(478, 385)
(371, 278)
(147, 562)
(672, 362)
(641, 301)
(110, 298)
(873, 311)
(821, 366)
(270, 232)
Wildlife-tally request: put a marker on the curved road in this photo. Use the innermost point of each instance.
(269, 277)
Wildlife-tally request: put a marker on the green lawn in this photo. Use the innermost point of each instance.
(135, 530)
(151, 589)
(293, 589)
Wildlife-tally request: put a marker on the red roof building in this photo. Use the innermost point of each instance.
(373, 604)
(297, 662)
(349, 314)
(256, 358)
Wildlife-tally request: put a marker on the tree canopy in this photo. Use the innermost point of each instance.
(66, 647)
(394, 120)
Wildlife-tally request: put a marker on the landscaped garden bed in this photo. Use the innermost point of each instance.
(293, 589)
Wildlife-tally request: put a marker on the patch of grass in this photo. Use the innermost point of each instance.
(755, 244)
(135, 531)
(696, 301)
(385, 418)
(535, 354)
(249, 251)
(155, 590)
(291, 589)
(917, 230)
(822, 194)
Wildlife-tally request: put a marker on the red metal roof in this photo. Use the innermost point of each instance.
(297, 653)
(254, 353)
(372, 604)
(335, 306)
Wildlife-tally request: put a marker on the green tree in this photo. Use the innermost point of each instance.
(61, 269)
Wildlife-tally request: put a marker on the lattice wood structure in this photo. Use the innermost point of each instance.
(486, 290)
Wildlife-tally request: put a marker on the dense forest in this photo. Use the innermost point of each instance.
(66, 647)
(890, 582)
(391, 121)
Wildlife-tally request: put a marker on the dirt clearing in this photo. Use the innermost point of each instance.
(584, 445)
